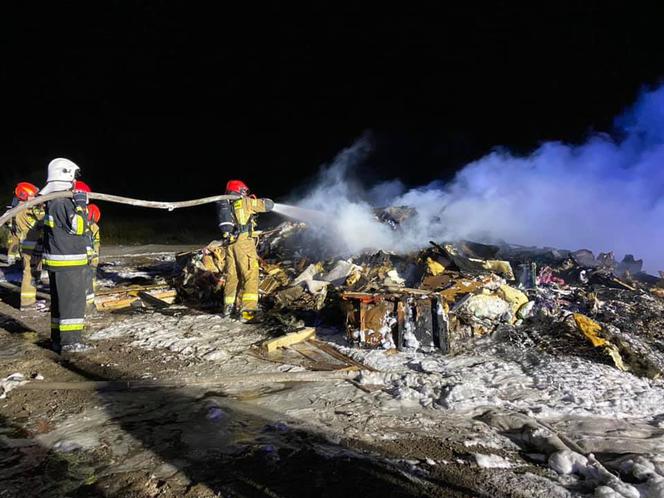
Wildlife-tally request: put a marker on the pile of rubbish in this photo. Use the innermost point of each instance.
(447, 295)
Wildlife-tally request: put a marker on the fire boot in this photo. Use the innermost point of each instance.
(229, 311)
(250, 316)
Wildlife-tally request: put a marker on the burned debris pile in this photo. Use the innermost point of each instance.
(446, 296)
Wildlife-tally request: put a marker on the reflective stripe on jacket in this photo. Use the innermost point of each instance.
(29, 229)
(65, 237)
(244, 210)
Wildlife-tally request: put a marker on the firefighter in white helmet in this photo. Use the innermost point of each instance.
(65, 255)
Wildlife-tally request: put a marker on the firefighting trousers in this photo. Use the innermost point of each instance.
(13, 244)
(91, 284)
(241, 287)
(67, 305)
(31, 275)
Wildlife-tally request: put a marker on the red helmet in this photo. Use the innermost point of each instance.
(25, 190)
(94, 213)
(82, 186)
(236, 187)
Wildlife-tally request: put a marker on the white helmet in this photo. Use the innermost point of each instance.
(62, 170)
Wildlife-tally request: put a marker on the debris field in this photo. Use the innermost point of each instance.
(462, 369)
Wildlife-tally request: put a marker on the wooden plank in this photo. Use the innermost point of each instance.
(363, 315)
(623, 284)
(312, 352)
(115, 304)
(424, 322)
(440, 325)
(124, 300)
(332, 351)
(289, 339)
(152, 300)
(401, 323)
(296, 355)
(407, 290)
(129, 289)
(317, 359)
(362, 296)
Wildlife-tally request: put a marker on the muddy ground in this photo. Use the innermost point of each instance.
(177, 426)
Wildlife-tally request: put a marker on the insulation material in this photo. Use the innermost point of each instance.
(434, 267)
(502, 268)
(514, 297)
(485, 308)
(591, 330)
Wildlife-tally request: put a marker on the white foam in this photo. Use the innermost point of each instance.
(492, 461)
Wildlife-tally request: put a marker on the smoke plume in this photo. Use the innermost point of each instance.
(606, 194)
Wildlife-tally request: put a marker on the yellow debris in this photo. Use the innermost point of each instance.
(500, 267)
(613, 352)
(590, 329)
(434, 267)
(461, 287)
(353, 278)
(513, 296)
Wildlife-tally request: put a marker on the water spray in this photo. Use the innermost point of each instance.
(310, 216)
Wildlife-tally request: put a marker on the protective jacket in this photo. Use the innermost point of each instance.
(11, 224)
(238, 217)
(29, 230)
(237, 223)
(94, 243)
(65, 237)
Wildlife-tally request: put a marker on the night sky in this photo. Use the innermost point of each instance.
(168, 100)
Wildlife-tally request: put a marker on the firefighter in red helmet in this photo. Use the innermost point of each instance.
(82, 187)
(24, 191)
(237, 224)
(29, 230)
(94, 215)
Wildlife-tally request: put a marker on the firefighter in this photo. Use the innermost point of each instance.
(89, 293)
(65, 255)
(29, 230)
(237, 224)
(94, 214)
(12, 239)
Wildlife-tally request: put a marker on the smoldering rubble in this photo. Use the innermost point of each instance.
(561, 333)
(446, 297)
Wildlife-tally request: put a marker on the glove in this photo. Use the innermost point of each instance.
(80, 199)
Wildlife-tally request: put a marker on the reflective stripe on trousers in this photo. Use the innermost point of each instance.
(64, 260)
(68, 291)
(242, 273)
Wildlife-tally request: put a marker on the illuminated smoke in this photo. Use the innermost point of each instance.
(606, 194)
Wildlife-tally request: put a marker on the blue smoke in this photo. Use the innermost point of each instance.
(606, 194)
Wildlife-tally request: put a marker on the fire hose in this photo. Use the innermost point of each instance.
(170, 206)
